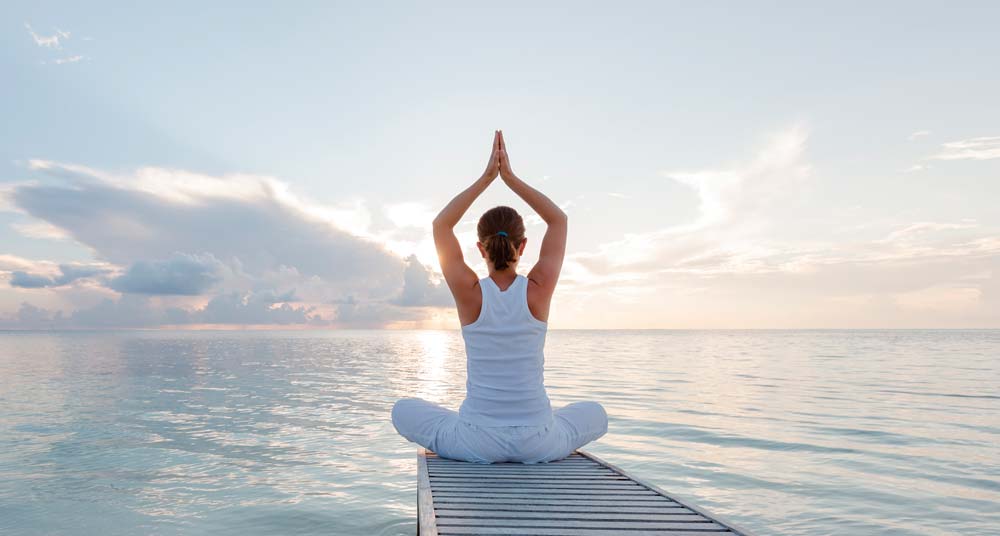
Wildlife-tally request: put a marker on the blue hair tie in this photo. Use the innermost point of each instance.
(502, 233)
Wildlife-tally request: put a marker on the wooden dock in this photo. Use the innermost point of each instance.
(579, 495)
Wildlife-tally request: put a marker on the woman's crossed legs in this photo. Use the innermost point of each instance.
(440, 430)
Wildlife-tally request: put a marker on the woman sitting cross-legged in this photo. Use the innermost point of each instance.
(506, 415)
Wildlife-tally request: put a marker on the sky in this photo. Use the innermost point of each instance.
(723, 164)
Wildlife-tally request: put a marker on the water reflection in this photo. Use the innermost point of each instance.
(431, 360)
(261, 433)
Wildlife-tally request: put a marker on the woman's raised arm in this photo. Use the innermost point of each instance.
(550, 258)
(456, 272)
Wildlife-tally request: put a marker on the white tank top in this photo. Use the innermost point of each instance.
(505, 384)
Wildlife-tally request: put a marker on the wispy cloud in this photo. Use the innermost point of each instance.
(48, 41)
(55, 42)
(983, 148)
(744, 253)
(69, 273)
(68, 59)
(43, 230)
(733, 203)
(726, 195)
(918, 134)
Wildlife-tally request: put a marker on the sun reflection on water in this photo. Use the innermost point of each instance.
(432, 357)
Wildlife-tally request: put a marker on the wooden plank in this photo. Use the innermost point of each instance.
(550, 497)
(617, 497)
(501, 483)
(527, 524)
(575, 460)
(556, 494)
(548, 500)
(625, 487)
(566, 508)
(439, 468)
(576, 500)
(572, 460)
(517, 469)
(524, 476)
(567, 464)
(535, 492)
(539, 474)
(493, 481)
(426, 518)
(507, 531)
(576, 467)
(515, 474)
(493, 514)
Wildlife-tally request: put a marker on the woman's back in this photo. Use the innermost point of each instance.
(505, 360)
(506, 415)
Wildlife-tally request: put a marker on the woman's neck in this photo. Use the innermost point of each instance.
(503, 275)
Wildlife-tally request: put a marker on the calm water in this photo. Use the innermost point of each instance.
(784, 432)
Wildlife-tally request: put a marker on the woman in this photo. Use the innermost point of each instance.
(506, 415)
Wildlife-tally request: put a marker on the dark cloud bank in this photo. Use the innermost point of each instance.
(262, 258)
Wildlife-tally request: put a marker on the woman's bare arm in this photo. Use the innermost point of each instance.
(550, 258)
(456, 273)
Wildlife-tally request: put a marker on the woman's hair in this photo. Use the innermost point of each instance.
(501, 249)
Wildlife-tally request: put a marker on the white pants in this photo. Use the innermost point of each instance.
(442, 431)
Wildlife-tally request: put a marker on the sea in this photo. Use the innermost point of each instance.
(826, 432)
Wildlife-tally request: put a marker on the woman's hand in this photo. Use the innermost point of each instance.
(493, 167)
(505, 172)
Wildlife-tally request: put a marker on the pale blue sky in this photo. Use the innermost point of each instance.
(723, 164)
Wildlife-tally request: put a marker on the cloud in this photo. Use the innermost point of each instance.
(738, 193)
(912, 232)
(410, 214)
(246, 308)
(730, 194)
(50, 41)
(198, 249)
(72, 272)
(751, 257)
(55, 42)
(918, 134)
(40, 230)
(130, 311)
(983, 148)
(139, 311)
(735, 203)
(30, 317)
(69, 59)
(419, 291)
(743, 225)
(127, 312)
(13, 263)
(251, 221)
(181, 274)
(26, 280)
(68, 274)
(352, 313)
